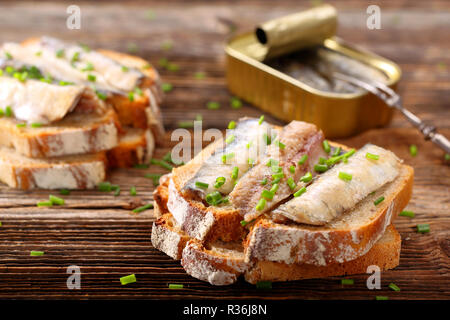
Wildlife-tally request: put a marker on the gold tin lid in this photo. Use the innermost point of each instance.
(296, 31)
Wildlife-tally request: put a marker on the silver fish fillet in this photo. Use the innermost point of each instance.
(73, 64)
(299, 138)
(330, 196)
(37, 101)
(244, 142)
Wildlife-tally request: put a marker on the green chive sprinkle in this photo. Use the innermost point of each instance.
(235, 103)
(21, 125)
(320, 167)
(413, 150)
(292, 169)
(2, 113)
(199, 75)
(101, 95)
(394, 287)
(306, 178)
(44, 204)
(232, 125)
(272, 162)
(423, 228)
(128, 279)
(230, 139)
(141, 166)
(8, 55)
(143, 208)
(264, 181)
(175, 286)
(104, 186)
(337, 151)
(131, 96)
(326, 146)
(88, 67)
(244, 223)
(0, 223)
(155, 178)
(347, 281)
(300, 192)
(213, 105)
(378, 201)
(162, 164)
(227, 157)
(219, 182)
(36, 253)
(186, 124)
(64, 192)
(168, 157)
(56, 200)
(322, 160)
(264, 285)
(166, 87)
(280, 144)
(409, 214)
(381, 298)
(261, 119)
(274, 188)
(36, 125)
(214, 198)
(172, 67)
(125, 69)
(251, 161)
(201, 185)
(303, 159)
(291, 183)
(266, 194)
(163, 62)
(267, 139)
(372, 156)
(345, 176)
(8, 111)
(75, 57)
(276, 169)
(60, 53)
(447, 157)
(234, 174)
(91, 77)
(117, 191)
(261, 204)
(133, 191)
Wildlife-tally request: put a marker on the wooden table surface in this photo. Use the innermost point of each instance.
(98, 232)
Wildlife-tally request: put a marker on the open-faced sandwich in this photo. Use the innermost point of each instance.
(301, 208)
(68, 112)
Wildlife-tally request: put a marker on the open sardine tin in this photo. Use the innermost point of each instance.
(295, 82)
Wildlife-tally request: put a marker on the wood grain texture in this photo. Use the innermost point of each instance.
(98, 232)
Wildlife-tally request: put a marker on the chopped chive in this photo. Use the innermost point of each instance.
(280, 144)
(116, 191)
(128, 279)
(447, 157)
(133, 191)
(409, 214)
(266, 194)
(125, 69)
(306, 178)
(101, 95)
(44, 204)
(88, 67)
(267, 139)
(85, 47)
(163, 62)
(423, 228)
(292, 169)
(21, 125)
(91, 77)
(0, 223)
(381, 298)
(2, 113)
(201, 185)
(138, 91)
(413, 150)
(278, 176)
(213, 198)
(131, 96)
(264, 285)
(320, 167)
(261, 119)
(326, 146)
(36, 125)
(65, 83)
(230, 139)
(143, 208)
(220, 181)
(264, 181)
(175, 286)
(235, 103)
(276, 169)
(337, 151)
(227, 157)
(272, 162)
(141, 166)
(155, 178)
(172, 67)
(300, 192)
(225, 200)
(64, 192)
(213, 105)
(345, 176)
(378, 201)
(56, 200)
(186, 124)
(166, 87)
(322, 160)
(199, 75)
(303, 159)
(232, 125)
(291, 183)
(75, 57)
(36, 253)
(8, 55)
(234, 173)
(251, 161)
(60, 53)
(162, 164)
(372, 156)
(274, 188)
(8, 111)
(261, 204)
(347, 281)
(104, 186)
(168, 157)
(244, 223)
(394, 287)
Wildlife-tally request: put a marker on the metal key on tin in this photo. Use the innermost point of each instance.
(392, 99)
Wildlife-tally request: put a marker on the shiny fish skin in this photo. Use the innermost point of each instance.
(247, 129)
(329, 196)
(300, 138)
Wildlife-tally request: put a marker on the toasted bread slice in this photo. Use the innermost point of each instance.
(76, 133)
(73, 172)
(344, 239)
(135, 147)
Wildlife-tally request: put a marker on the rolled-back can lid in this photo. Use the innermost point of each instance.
(296, 31)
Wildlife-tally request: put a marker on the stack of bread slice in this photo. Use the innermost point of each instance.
(336, 219)
(68, 113)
